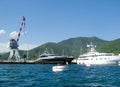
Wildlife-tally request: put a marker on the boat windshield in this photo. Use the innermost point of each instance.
(46, 55)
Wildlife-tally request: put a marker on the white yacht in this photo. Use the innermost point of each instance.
(96, 58)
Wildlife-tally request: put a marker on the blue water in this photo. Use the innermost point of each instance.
(38, 75)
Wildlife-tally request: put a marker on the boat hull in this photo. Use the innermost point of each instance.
(100, 61)
(55, 61)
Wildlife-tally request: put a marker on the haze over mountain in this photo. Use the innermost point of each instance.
(73, 47)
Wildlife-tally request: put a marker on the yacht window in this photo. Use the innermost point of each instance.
(43, 56)
(53, 55)
(84, 59)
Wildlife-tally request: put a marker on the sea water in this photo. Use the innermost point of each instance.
(38, 75)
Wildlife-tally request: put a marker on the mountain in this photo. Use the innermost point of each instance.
(70, 47)
(110, 46)
(73, 47)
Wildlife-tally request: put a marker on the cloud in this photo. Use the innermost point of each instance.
(2, 31)
(3, 47)
(14, 34)
(27, 46)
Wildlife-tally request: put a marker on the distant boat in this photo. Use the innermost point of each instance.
(59, 68)
(50, 58)
(96, 58)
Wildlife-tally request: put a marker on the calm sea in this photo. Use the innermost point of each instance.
(38, 75)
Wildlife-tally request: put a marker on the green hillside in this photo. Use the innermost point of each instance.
(70, 47)
(110, 47)
(73, 47)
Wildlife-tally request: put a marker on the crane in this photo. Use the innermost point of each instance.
(13, 44)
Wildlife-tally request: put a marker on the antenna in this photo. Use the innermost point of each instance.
(81, 50)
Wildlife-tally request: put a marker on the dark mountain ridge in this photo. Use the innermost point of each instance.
(70, 47)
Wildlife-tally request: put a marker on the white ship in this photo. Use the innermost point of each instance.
(96, 58)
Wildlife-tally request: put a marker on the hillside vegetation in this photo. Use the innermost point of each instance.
(70, 47)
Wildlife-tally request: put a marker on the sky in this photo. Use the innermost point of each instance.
(57, 20)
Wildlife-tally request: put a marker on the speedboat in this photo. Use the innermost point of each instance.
(96, 58)
(59, 68)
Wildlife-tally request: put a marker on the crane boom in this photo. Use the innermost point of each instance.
(21, 27)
